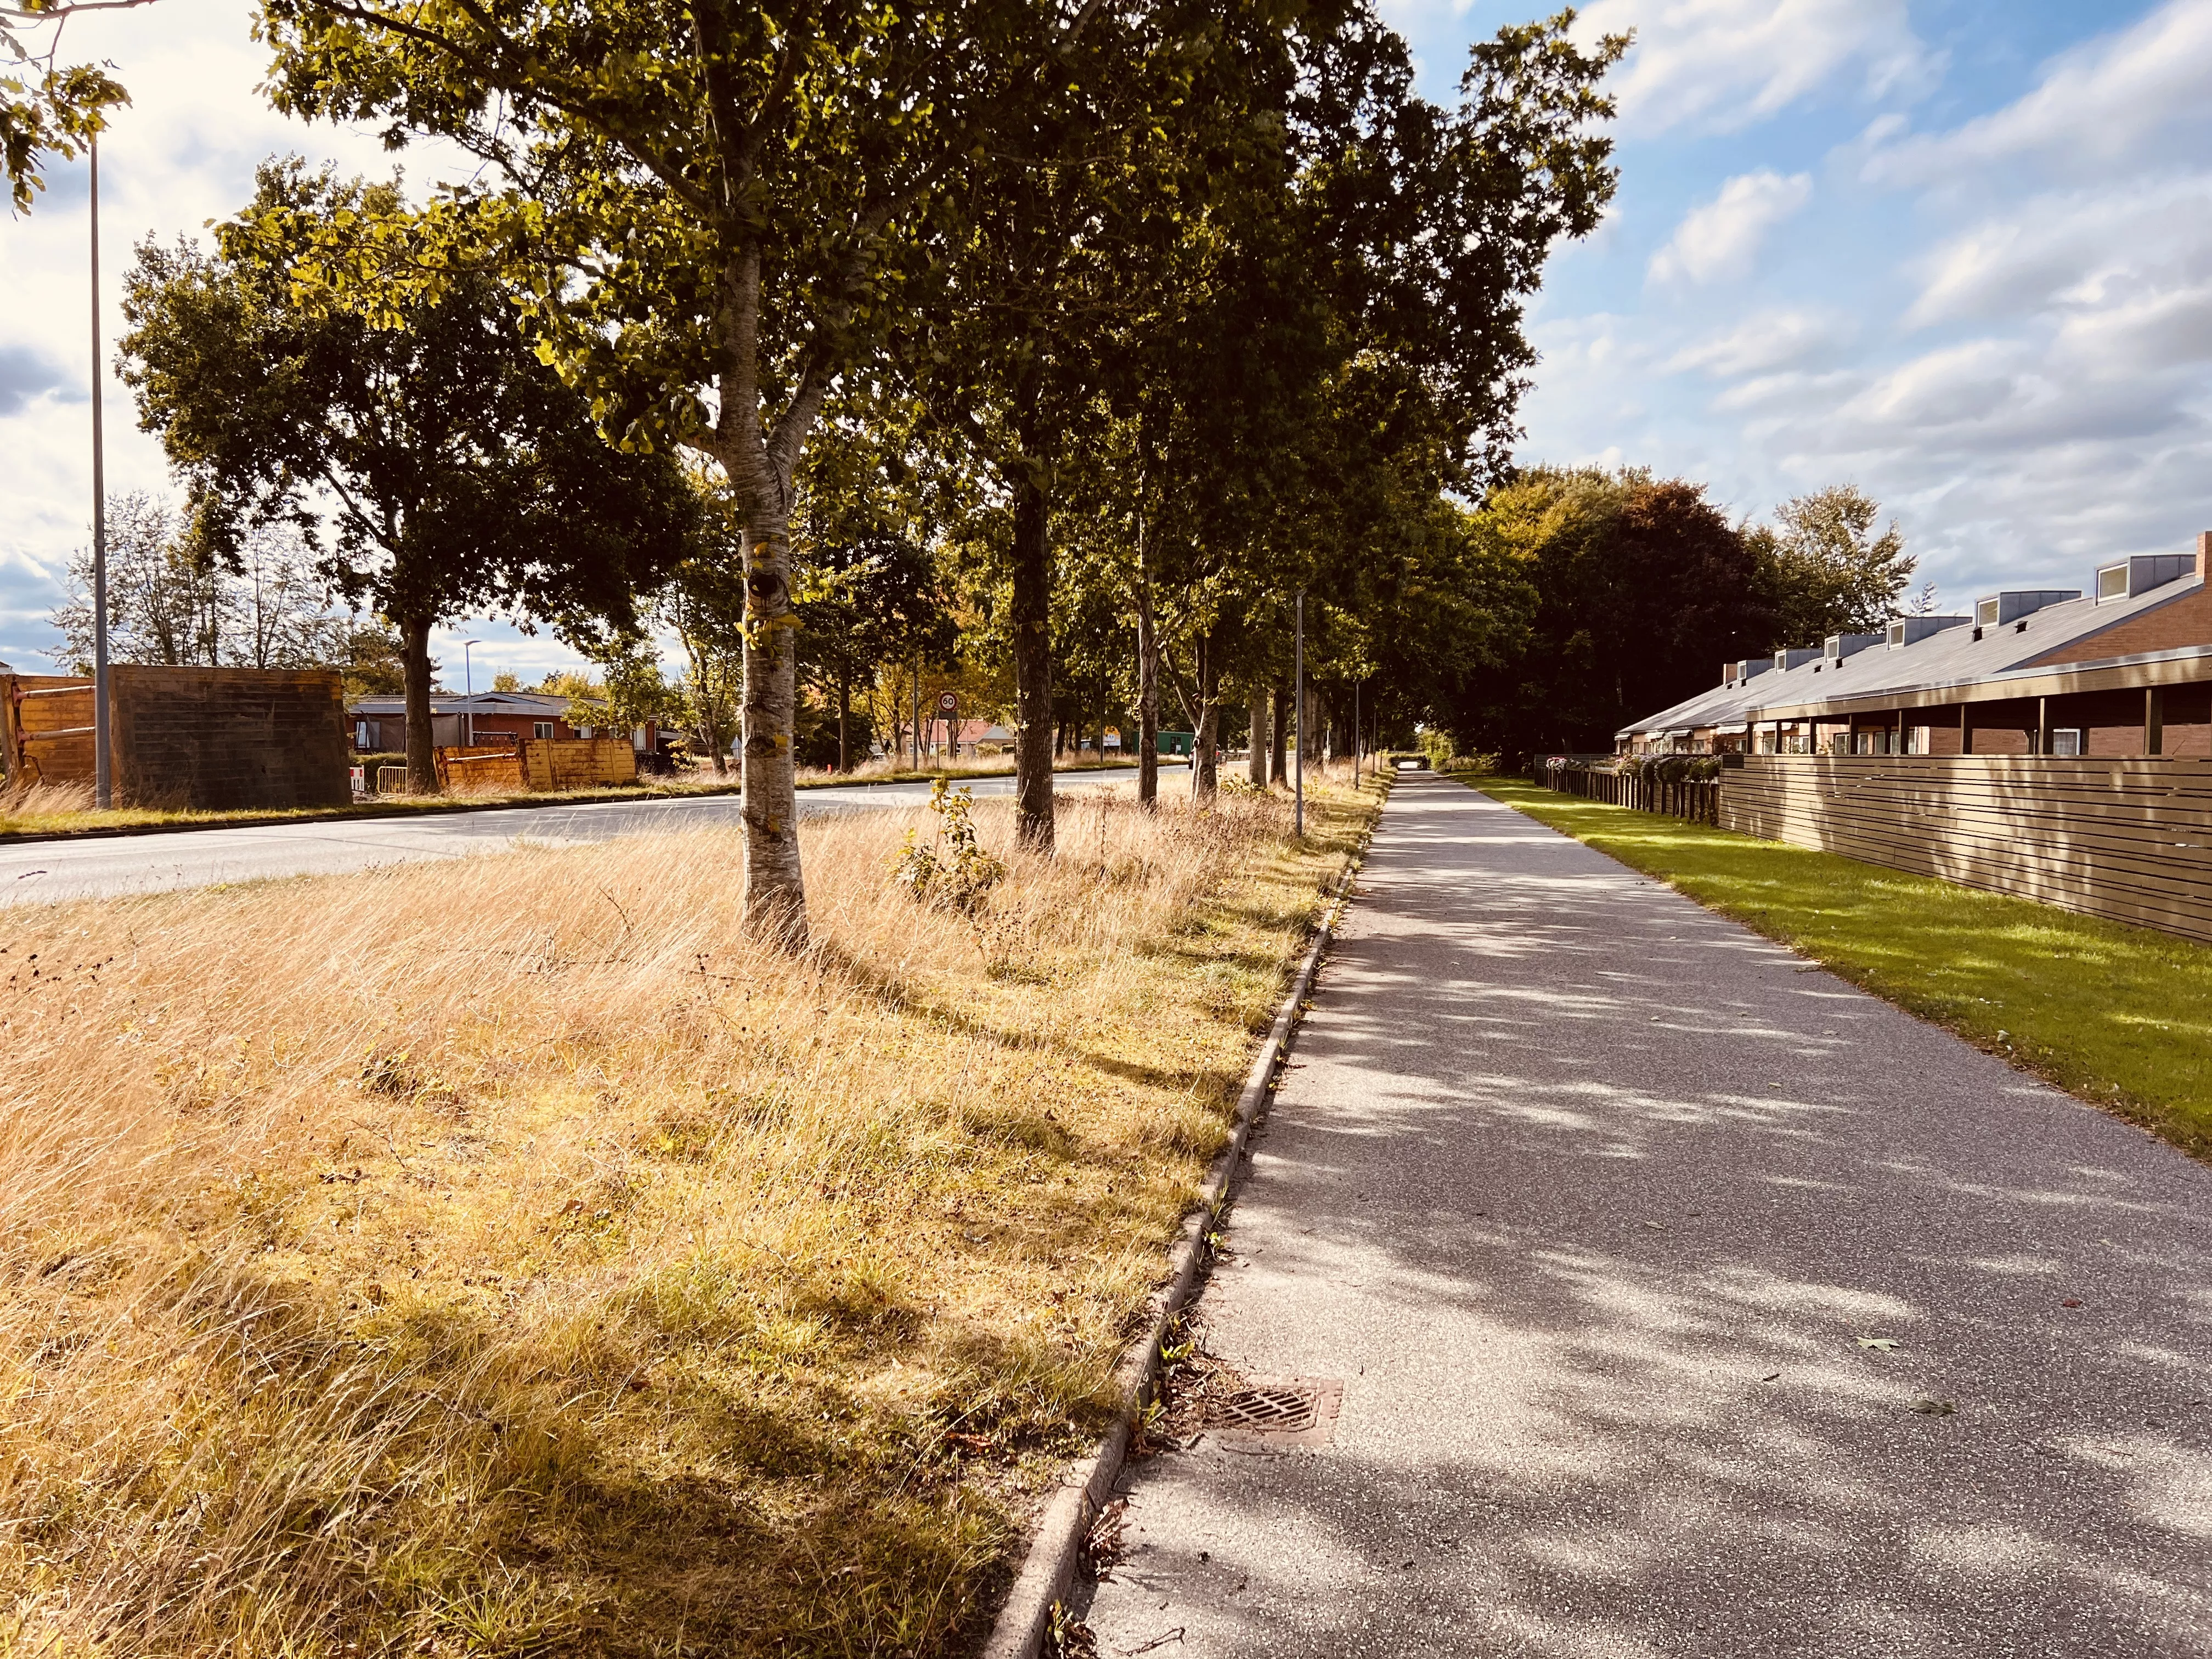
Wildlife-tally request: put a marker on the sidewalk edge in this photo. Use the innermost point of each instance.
(1056, 1546)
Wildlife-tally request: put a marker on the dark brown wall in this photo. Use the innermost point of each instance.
(2005, 727)
(2129, 840)
(2188, 719)
(228, 737)
(2185, 621)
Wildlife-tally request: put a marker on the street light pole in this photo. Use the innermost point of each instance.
(1298, 701)
(468, 696)
(103, 756)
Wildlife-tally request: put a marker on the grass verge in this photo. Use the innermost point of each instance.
(510, 1257)
(47, 813)
(2114, 1014)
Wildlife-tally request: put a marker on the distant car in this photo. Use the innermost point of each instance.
(1412, 766)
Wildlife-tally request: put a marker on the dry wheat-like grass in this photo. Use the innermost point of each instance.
(42, 800)
(509, 1256)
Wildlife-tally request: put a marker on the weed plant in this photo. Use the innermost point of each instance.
(508, 1257)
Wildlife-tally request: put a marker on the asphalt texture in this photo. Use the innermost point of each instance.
(1594, 1202)
(106, 866)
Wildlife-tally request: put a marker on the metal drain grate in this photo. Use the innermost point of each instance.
(1272, 1413)
(1283, 1410)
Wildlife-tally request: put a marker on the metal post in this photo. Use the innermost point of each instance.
(1358, 736)
(1298, 703)
(103, 756)
(468, 697)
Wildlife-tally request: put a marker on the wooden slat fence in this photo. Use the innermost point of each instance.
(2127, 839)
(1695, 799)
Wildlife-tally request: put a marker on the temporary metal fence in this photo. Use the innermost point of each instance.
(1646, 789)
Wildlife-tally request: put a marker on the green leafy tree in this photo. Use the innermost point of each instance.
(1061, 235)
(458, 473)
(49, 110)
(1826, 570)
(1341, 344)
(869, 595)
(1642, 589)
(721, 201)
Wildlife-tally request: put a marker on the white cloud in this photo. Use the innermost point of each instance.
(1722, 237)
(1722, 64)
(2103, 100)
(1763, 342)
(2072, 252)
(2007, 340)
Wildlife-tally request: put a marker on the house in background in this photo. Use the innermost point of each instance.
(2124, 669)
(487, 719)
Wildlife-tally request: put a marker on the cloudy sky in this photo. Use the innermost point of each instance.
(1958, 252)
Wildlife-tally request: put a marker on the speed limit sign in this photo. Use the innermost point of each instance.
(948, 704)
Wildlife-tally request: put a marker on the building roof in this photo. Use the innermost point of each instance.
(537, 704)
(2067, 634)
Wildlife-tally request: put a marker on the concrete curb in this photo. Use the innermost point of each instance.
(1050, 1567)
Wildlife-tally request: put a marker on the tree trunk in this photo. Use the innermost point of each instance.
(844, 711)
(761, 465)
(1205, 772)
(1148, 686)
(775, 893)
(1278, 738)
(414, 667)
(1031, 616)
(1256, 765)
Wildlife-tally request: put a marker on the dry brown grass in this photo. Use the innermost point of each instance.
(42, 803)
(508, 1257)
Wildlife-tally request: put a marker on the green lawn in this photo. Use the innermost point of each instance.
(2117, 1015)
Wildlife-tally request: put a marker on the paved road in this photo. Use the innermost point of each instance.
(1588, 1196)
(44, 872)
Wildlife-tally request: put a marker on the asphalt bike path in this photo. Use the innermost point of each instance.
(1686, 1301)
(105, 866)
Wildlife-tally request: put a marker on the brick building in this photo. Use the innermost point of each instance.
(2123, 669)
(379, 725)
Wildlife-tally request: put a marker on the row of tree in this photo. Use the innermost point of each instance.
(1022, 318)
(1071, 344)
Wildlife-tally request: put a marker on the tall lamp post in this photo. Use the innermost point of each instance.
(468, 695)
(103, 759)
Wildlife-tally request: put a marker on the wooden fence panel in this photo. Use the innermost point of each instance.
(2128, 840)
(578, 762)
(483, 767)
(52, 721)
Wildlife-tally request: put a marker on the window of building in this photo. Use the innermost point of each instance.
(542, 730)
(368, 735)
(2066, 740)
(1916, 739)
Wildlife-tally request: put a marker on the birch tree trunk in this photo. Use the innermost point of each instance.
(415, 672)
(761, 463)
(775, 892)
